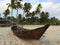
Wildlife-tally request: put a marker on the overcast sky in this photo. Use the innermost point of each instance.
(51, 6)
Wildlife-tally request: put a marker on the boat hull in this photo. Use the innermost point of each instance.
(29, 34)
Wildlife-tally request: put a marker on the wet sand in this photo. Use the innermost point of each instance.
(50, 37)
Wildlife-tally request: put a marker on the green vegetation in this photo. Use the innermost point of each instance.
(35, 17)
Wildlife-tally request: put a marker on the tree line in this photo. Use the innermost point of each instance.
(26, 17)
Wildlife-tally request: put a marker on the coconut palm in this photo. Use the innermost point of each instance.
(11, 6)
(27, 7)
(7, 12)
(18, 6)
(14, 5)
(38, 9)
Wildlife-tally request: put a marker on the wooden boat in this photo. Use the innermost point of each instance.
(29, 34)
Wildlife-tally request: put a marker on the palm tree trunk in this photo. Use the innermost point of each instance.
(16, 13)
(22, 21)
(11, 14)
(17, 16)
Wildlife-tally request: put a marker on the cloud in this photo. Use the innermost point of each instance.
(33, 7)
(35, 0)
(47, 6)
(3, 5)
(52, 8)
(55, 1)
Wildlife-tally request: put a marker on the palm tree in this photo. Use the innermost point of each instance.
(18, 6)
(26, 8)
(38, 9)
(14, 5)
(11, 6)
(7, 12)
(44, 17)
(47, 14)
(33, 13)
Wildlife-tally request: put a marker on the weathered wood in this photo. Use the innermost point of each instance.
(29, 34)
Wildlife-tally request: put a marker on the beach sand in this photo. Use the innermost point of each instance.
(50, 37)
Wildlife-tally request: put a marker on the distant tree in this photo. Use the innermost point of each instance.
(47, 17)
(44, 17)
(19, 18)
(54, 21)
(33, 14)
(13, 18)
(28, 17)
(23, 21)
(36, 20)
(32, 17)
(0, 15)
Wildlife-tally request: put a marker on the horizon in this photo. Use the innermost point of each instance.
(51, 6)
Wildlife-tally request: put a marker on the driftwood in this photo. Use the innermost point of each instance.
(29, 34)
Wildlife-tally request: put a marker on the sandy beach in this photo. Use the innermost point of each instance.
(50, 37)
